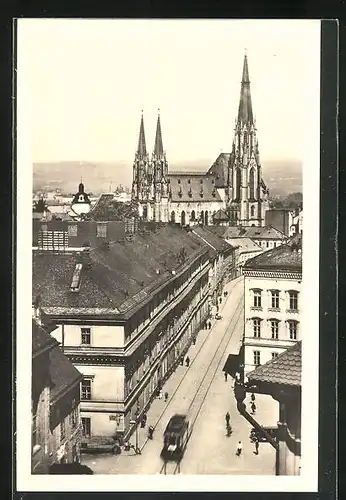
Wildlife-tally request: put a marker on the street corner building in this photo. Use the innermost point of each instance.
(232, 191)
(56, 431)
(281, 379)
(127, 308)
(273, 303)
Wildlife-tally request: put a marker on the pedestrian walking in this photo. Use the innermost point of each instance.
(144, 420)
(256, 446)
(194, 340)
(209, 325)
(253, 408)
(220, 300)
(239, 448)
(187, 361)
(150, 432)
(182, 361)
(228, 418)
(253, 397)
(166, 397)
(225, 376)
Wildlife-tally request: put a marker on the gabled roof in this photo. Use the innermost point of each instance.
(220, 216)
(286, 369)
(41, 340)
(192, 188)
(219, 169)
(265, 233)
(120, 277)
(218, 230)
(255, 233)
(285, 257)
(244, 244)
(62, 373)
(218, 243)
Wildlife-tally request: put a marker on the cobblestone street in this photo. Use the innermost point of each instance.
(209, 450)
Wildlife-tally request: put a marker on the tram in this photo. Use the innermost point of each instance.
(175, 438)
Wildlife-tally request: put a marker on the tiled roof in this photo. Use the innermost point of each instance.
(218, 230)
(119, 277)
(219, 170)
(62, 373)
(260, 233)
(244, 244)
(213, 239)
(266, 232)
(41, 340)
(286, 369)
(191, 186)
(220, 216)
(287, 256)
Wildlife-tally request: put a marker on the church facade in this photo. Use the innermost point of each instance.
(232, 189)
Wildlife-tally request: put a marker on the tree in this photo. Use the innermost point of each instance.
(40, 206)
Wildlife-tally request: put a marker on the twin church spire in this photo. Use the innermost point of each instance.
(158, 147)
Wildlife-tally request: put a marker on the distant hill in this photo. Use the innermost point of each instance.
(282, 177)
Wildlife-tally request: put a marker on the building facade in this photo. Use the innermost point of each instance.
(273, 304)
(281, 379)
(126, 312)
(233, 183)
(56, 426)
(245, 249)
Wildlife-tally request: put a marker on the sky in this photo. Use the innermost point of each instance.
(85, 83)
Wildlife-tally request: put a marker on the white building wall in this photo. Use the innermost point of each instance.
(101, 335)
(265, 344)
(107, 383)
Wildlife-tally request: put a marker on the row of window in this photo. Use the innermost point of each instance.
(274, 326)
(275, 299)
(257, 357)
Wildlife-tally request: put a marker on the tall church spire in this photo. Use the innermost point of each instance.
(245, 114)
(142, 149)
(158, 148)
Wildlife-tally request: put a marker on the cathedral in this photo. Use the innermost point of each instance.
(231, 192)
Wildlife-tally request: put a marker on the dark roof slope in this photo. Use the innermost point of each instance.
(286, 369)
(62, 373)
(285, 257)
(213, 239)
(41, 340)
(219, 170)
(220, 216)
(185, 187)
(119, 277)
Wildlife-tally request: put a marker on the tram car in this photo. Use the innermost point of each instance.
(175, 438)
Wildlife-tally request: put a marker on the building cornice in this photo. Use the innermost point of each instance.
(273, 274)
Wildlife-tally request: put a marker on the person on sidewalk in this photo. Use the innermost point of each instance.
(209, 325)
(239, 448)
(194, 340)
(150, 432)
(166, 397)
(256, 447)
(144, 420)
(225, 376)
(253, 397)
(253, 408)
(187, 361)
(228, 418)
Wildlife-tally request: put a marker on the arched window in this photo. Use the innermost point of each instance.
(193, 216)
(252, 184)
(173, 216)
(237, 183)
(206, 216)
(202, 217)
(252, 211)
(183, 218)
